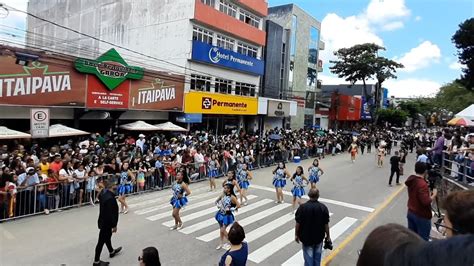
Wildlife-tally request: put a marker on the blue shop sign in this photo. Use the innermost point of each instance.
(365, 110)
(219, 56)
(190, 118)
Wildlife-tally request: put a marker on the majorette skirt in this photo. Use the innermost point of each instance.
(213, 173)
(244, 184)
(279, 182)
(124, 189)
(314, 178)
(224, 219)
(297, 192)
(178, 202)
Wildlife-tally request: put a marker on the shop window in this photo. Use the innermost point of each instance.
(200, 83)
(209, 2)
(227, 8)
(224, 86)
(225, 42)
(250, 19)
(247, 50)
(202, 35)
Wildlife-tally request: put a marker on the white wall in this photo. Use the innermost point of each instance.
(158, 28)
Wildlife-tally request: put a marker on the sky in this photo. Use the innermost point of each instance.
(416, 33)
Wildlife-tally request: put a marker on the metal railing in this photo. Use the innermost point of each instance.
(457, 167)
(45, 198)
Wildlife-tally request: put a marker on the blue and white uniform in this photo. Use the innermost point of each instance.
(314, 174)
(212, 169)
(125, 184)
(298, 190)
(178, 201)
(224, 215)
(244, 179)
(279, 179)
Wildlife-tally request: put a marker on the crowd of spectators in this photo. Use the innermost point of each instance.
(46, 176)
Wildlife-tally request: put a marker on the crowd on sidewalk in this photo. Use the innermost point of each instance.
(45, 176)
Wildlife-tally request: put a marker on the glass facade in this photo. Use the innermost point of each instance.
(312, 58)
(294, 27)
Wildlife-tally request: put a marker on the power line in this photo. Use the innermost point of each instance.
(109, 43)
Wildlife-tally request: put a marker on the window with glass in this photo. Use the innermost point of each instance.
(245, 89)
(209, 2)
(202, 35)
(249, 19)
(246, 49)
(313, 47)
(200, 83)
(294, 28)
(224, 86)
(225, 42)
(227, 8)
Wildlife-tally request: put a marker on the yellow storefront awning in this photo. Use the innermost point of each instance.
(216, 103)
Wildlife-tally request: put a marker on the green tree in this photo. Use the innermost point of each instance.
(464, 41)
(394, 117)
(362, 62)
(453, 97)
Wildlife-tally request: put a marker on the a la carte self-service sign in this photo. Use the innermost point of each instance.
(109, 86)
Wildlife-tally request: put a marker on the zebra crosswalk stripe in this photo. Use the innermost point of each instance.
(198, 214)
(198, 226)
(271, 247)
(168, 206)
(335, 232)
(249, 220)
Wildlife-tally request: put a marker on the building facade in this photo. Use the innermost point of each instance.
(293, 55)
(216, 44)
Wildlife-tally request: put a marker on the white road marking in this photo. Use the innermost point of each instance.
(212, 221)
(191, 198)
(335, 202)
(267, 228)
(249, 220)
(271, 247)
(195, 215)
(335, 231)
(165, 199)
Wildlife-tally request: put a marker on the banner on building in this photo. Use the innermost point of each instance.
(160, 94)
(365, 110)
(278, 108)
(219, 56)
(213, 103)
(51, 83)
(99, 97)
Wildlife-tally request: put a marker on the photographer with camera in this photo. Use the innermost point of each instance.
(312, 227)
(419, 202)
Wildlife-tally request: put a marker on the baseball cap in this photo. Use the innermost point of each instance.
(30, 170)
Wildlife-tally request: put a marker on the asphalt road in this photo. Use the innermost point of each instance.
(353, 192)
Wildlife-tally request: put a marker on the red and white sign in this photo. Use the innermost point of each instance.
(98, 96)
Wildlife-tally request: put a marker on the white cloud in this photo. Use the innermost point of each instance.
(456, 65)
(411, 87)
(338, 32)
(382, 11)
(392, 26)
(417, 18)
(419, 57)
(343, 32)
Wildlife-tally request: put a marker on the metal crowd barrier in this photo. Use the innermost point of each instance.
(45, 198)
(457, 167)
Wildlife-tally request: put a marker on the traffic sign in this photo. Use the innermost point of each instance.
(39, 121)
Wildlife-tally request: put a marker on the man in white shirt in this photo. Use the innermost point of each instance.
(140, 141)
